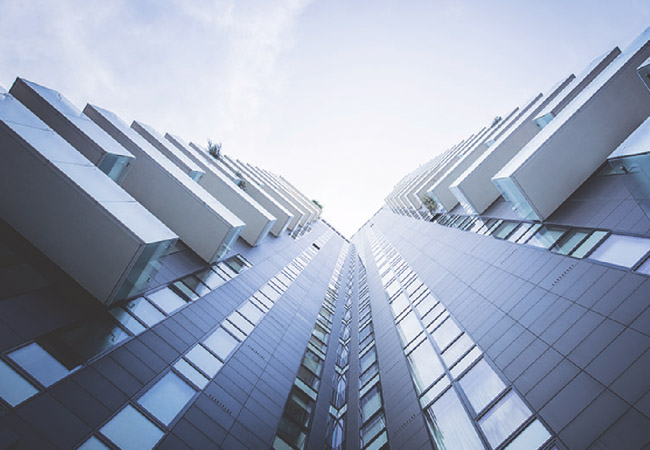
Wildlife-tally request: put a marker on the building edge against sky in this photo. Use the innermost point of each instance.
(156, 296)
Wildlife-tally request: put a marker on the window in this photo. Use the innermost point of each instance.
(503, 230)
(93, 444)
(435, 390)
(372, 429)
(145, 311)
(400, 303)
(457, 349)
(592, 241)
(425, 365)
(504, 418)
(127, 320)
(167, 397)
(481, 385)
(621, 250)
(519, 232)
(546, 237)
(449, 424)
(367, 359)
(130, 430)
(529, 232)
(191, 373)
(204, 360)
(14, 389)
(251, 312)
(221, 343)
(370, 403)
(465, 362)
(167, 300)
(39, 364)
(446, 333)
(569, 241)
(531, 438)
(409, 327)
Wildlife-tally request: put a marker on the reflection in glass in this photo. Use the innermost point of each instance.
(546, 237)
(569, 241)
(465, 362)
(400, 303)
(367, 359)
(14, 389)
(221, 343)
(251, 312)
(145, 311)
(87, 341)
(449, 424)
(241, 322)
(427, 303)
(621, 250)
(446, 333)
(204, 360)
(434, 391)
(372, 428)
(370, 403)
(191, 373)
(457, 349)
(39, 363)
(504, 418)
(93, 444)
(167, 397)
(167, 300)
(481, 385)
(127, 320)
(531, 438)
(532, 230)
(130, 430)
(409, 327)
(425, 365)
(588, 244)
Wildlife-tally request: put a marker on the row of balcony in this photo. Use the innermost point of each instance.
(540, 153)
(106, 201)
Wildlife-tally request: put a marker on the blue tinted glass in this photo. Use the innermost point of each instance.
(425, 365)
(204, 360)
(621, 250)
(191, 373)
(504, 418)
(446, 333)
(167, 397)
(167, 300)
(14, 389)
(481, 385)
(221, 343)
(130, 430)
(450, 426)
(39, 363)
(533, 436)
(93, 444)
(127, 320)
(145, 311)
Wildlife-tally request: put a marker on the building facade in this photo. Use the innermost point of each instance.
(159, 294)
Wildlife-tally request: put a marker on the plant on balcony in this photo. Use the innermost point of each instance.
(239, 181)
(317, 203)
(429, 203)
(214, 149)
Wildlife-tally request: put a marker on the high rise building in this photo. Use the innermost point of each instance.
(156, 293)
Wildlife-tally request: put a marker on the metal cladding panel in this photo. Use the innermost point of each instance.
(67, 207)
(204, 224)
(575, 143)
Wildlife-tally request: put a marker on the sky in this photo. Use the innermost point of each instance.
(341, 97)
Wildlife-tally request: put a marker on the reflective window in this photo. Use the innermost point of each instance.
(251, 312)
(531, 438)
(241, 322)
(621, 250)
(532, 230)
(130, 430)
(546, 237)
(378, 443)
(449, 424)
(145, 311)
(368, 375)
(457, 349)
(426, 305)
(167, 300)
(86, 341)
(167, 397)
(127, 320)
(446, 333)
(400, 303)
(593, 240)
(183, 290)
(503, 230)
(465, 362)
(221, 343)
(569, 241)
(425, 365)
(313, 362)
(210, 278)
(204, 360)
(372, 429)
(504, 418)
(481, 385)
(191, 373)
(434, 390)
(39, 363)
(370, 403)
(14, 389)
(367, 359)
(93, 444)
(519, 232)
(409, 327)
(196, 285)
(645, 267)
(392, 289)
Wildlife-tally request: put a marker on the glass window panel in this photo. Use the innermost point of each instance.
(196, 285)
(645, 267)
(130, 430)
(368, 375)
(409, 327)
(167, 397)
(379, 443)
(546, 237)
(299, 407)
(400, 303)
(426, 305)
(519, 231)
(392, 289)
(232, 329)
(87, 341)
(449, 424)
(434, 390)
(481, 385)
(251, 312)
(504, 418)
(493, 227)
(435, 316)
(167, 300)
(191, 373)
(503, 230)
(621, 250)
(425, 365)
(237, 263)
(221, 343)
(308, 377)
(292, 433)
(569, 241)
(93, 444)
(532, 230)
(457, 349)
(531, 438)
(241, 322)
(145, 311)
(370, 403)
(372, 429)
(204, 360)
(313, 362)
(210, 278)
(589, 244)
(367, 359)
(39, 363)
(446, 333)
(465, 362)
(127, 320)
(184, 291)
(14, 389)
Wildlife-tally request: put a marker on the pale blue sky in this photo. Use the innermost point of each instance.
(341, 97)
